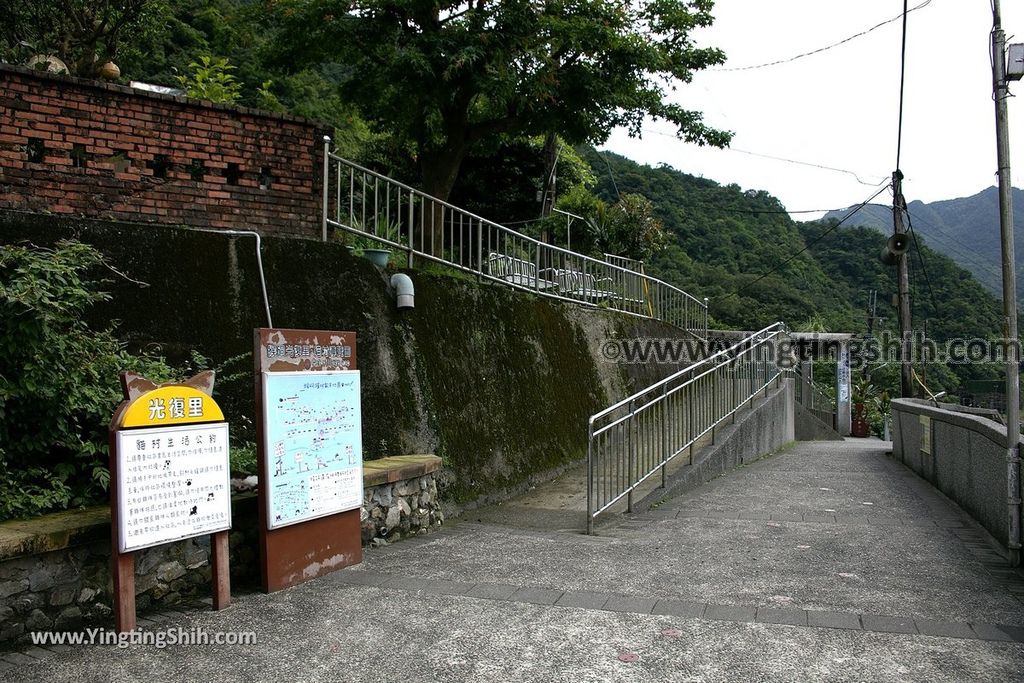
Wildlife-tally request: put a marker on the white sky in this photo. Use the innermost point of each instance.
(839, 108)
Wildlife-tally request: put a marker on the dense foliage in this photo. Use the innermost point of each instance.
(58, 379)
(757, 265)
(444, 76)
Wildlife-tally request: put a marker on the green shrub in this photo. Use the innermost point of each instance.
(58, 380)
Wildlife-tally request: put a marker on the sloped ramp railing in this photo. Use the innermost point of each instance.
(363, 202)
(638, 436)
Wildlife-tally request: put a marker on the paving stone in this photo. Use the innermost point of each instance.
(827, 619)
(776, 615)
(361, 578)
(536, 596)
(57, 647)
(721, 515)
(991, 632)
(36, 652)
(629, 603)
(1015, 632)
(679, 608)
(692, 513)
(820, 518)
(18, 659)
(886, 624)
(945, 629)
(583, 599)
(787, 517)
(491, 591)
(730, 613)
(753, 515)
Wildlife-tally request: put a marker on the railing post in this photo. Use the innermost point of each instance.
(412, 227)
(690, 421)
(327, 169)
(590, 479)
(633, 438)
(664, 434)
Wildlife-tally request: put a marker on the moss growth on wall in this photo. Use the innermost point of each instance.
(498, 383)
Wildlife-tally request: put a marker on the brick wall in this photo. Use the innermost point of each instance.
(75, 146)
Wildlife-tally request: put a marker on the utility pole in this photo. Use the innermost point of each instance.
(1001, 92)
(899, 205)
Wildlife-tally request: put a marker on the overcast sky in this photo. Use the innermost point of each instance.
(839, 108)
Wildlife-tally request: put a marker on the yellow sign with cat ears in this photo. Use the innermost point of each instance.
(169, 404)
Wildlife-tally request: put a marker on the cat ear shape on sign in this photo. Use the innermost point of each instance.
(202, 382)
(134, 385)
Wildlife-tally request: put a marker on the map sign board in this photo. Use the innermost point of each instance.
(313, 443)
(173, 483)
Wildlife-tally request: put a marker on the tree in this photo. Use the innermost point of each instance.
(448, 75)
(84, 34)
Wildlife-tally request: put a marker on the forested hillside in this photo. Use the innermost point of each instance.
(965, 229)
(757, 265)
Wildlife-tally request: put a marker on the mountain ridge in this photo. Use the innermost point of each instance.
(965, 228)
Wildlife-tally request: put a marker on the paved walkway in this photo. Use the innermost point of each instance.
(827, 561)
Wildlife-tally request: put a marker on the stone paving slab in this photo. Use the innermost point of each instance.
(907, 591)
(433, 637)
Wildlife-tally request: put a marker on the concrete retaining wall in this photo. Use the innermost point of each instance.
(759, 431)
(961, 454)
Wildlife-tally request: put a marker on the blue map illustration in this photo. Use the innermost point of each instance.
(313, 432)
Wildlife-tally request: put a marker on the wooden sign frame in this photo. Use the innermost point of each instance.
(298, 552)
(141, 397)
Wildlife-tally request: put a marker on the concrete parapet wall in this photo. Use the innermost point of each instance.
(758, 431)
(961, 454)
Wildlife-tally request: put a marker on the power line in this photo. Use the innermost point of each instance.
(827, 47)
(920, 257)
(809, 244)
(903, 70)
(855, 175)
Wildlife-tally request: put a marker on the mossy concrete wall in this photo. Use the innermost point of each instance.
(498, 383)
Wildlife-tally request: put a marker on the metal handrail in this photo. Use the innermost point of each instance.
(363, 202)
(633, 439)
(820, 404)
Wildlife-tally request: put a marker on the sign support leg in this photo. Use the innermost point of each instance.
(219, 570)
(123, 567)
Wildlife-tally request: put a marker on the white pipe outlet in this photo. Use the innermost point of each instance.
(404, 292)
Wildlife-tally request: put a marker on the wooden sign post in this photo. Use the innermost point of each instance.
(169, 480)
(310, 454)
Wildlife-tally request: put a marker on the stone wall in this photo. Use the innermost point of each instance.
(78, 146)
(55, 570)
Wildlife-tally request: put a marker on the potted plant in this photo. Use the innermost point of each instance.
(863, 393)
(371, 243)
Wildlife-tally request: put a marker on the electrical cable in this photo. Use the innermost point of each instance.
(810, 244)
(827, 47)
(786, 160)
(920, 257)
(903, 70)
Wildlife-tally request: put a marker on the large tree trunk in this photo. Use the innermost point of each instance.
(438, 172)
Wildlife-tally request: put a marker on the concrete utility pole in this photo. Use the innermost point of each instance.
(903, 290)
(1001, 91)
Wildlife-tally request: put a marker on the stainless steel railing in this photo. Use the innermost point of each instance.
(638, 436)
(363, 202)
(820, 404)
